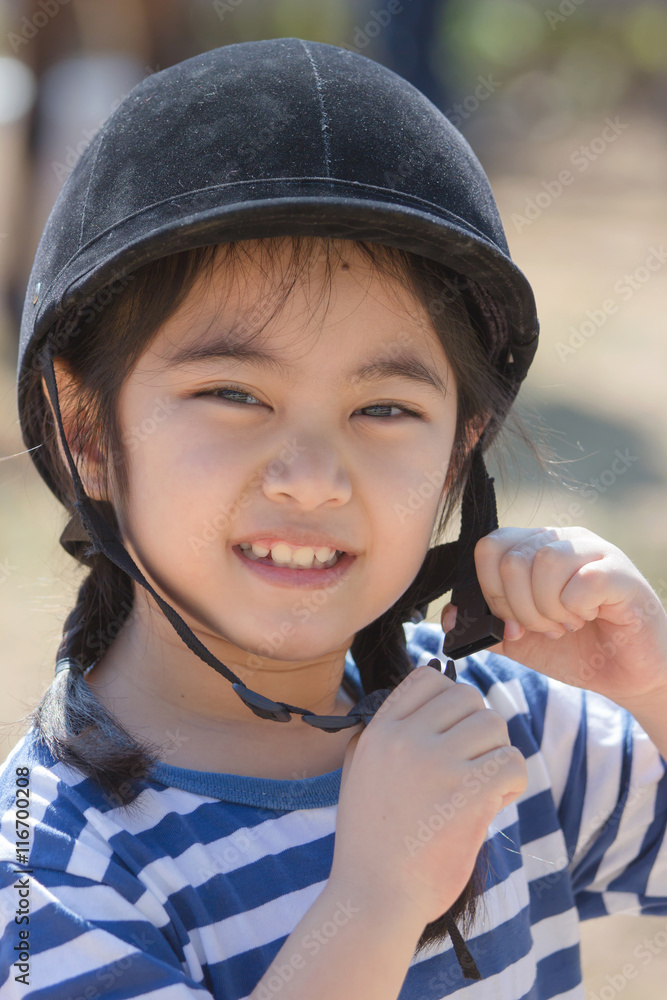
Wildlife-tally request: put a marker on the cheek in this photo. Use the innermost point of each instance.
(405, 500)
(175, 485)
(414, 485)
(402, 506)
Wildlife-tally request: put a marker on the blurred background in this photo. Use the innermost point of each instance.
(564, 103)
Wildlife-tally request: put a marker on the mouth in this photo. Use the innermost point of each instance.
(285, 576)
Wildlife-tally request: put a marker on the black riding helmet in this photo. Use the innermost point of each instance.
(350, 150)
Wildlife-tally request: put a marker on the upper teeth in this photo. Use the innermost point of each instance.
(303, 557)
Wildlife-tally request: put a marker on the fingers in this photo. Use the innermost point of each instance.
(441, 707)
(419, 687)
(503, 770)
(523, 576)
(477, 734)
(462, 702)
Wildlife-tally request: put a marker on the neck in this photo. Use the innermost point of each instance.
(163, 693)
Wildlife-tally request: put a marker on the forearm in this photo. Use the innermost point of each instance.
(652, 717)
(346, 945)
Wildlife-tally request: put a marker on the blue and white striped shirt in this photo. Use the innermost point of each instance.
(192, 891)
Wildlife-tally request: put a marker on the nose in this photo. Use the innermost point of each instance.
(310, 472)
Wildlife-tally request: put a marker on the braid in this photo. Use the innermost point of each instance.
(103, 603)
(379, 649)
(380, 654)
(70, 719)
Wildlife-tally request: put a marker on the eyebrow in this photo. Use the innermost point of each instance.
(402, 363)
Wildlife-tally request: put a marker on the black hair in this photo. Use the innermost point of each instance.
(70, 719)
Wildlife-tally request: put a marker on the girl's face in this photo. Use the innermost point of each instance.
(332, 424)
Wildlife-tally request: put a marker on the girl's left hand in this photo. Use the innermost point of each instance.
(542, 580)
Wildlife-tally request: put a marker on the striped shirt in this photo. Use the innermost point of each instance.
(191, 892)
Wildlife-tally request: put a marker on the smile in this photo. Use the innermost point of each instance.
(281, 554)
(288, 576)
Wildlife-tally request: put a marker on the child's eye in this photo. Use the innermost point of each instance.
(237, 391)
(405, 410)
(218, 390)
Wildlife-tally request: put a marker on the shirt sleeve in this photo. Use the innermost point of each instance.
(83, 938)
(609, 784)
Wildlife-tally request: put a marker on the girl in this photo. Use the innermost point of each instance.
(271, 327)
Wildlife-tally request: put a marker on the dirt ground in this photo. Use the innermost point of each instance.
(601, 392)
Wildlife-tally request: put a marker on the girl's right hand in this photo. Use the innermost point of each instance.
(435, 761)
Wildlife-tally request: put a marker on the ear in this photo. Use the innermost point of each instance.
(476, 428)
(87, 456)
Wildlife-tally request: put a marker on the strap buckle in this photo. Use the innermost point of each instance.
(476, 628)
